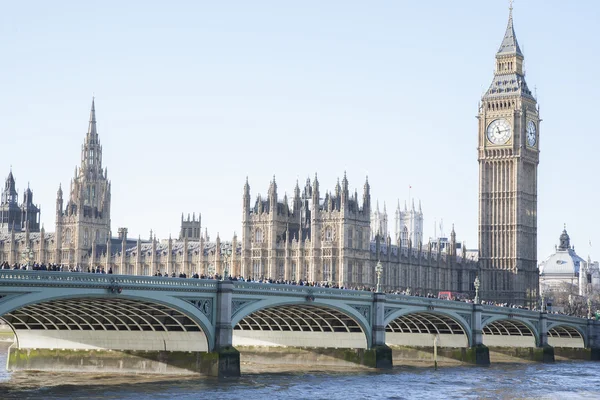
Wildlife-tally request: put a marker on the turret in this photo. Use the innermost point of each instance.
(367, 197)
(246, 198)
(315, 196)
(297, 205)
(273, 197)
(59, 201)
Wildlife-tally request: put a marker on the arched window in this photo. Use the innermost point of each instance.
(68, 236)
(328, 234)
(86, 237)
(258, 236)
(404, 235)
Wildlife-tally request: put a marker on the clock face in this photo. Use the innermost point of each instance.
(531, 133)
(498, 131)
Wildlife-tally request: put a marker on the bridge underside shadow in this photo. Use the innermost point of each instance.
(106, 334)
(428, 338)
(302, 335)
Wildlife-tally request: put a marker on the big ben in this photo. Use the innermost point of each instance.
(508, 155)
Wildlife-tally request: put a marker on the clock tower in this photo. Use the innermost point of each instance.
(508, 155)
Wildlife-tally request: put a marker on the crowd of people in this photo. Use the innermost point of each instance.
(239, 278)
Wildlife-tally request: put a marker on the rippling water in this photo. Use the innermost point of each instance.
(562, 380)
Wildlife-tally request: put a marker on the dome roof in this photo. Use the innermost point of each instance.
(564, 261)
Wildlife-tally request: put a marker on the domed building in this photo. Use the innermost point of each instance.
(565, 267)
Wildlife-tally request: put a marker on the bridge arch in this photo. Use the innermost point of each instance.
(419, 326)
(51, 319)
(317, 323)
(565, 335)
(522, 332)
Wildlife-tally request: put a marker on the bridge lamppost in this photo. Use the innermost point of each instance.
(378, 271)
(589, 304)
(28, 256)
(543, 308)
(477, 284)
(227, 257)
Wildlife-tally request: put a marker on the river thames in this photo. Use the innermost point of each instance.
(561, 380)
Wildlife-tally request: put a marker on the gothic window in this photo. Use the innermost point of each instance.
(258, 235)
(328, 234)
(359, 273)
(327, 270)
(404, 235)
(350, 244)
(93, 193)
(92, 156)
(360, 239)
(351, 272)
(306, 271)
(294, 277)
(281, 271)
(68, 236)
(86, 237)
(256, 269)
(97, 236)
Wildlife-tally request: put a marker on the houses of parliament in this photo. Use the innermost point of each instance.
(334, 236)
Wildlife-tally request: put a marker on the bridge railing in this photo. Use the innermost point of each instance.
(37, 278)
(302, 290)
(402, 298)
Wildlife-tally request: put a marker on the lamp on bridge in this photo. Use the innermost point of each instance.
(477, 284)
(589, 304)
(378, 271)
(227, 257)
(28, 256)
(543, 308)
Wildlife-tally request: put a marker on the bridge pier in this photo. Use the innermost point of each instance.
(379, 355)
(478, 353)
(593, 343)
(226, 357)
(544, 352)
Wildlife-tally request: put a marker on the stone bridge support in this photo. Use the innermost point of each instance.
(593, 343)
(381, 356)
(478, 353)
(544, 352)
(227, 358)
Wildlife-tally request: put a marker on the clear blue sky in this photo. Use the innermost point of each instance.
(193, 96)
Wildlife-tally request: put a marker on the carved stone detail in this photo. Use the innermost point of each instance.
(365, 311)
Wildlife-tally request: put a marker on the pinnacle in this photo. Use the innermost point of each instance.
(510, 45)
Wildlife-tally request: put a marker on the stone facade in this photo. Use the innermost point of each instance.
(508, 155)
(14, 216)
(83, 231)
(408, 224)
(327, 239)
(84, 223)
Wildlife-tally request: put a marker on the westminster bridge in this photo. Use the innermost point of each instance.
(80, 321)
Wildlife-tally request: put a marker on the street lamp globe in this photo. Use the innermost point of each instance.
(477, 284)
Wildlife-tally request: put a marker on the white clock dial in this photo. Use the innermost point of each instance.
(531, 133)
(498, 132)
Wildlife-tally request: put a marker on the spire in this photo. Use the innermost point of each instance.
(92, 127)
(509, 43)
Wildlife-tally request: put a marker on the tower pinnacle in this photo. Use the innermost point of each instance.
(509, 43)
